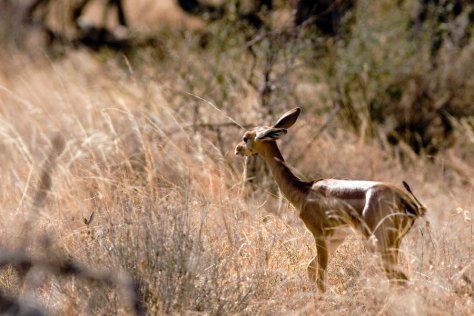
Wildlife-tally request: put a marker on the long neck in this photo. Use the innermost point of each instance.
(294, 189)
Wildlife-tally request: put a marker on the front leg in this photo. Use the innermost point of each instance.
(318, 266)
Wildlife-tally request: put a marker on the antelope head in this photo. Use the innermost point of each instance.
(254, 139)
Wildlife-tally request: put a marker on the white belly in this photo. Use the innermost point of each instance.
(335, 184)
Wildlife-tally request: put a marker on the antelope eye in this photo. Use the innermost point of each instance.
(245, 139)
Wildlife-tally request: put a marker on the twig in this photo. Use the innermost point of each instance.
(63, 267)
(89, 221)
(328, 121)
(211, 126)
(13, 306)
(215, 107)
(291, 30)
(45, 183)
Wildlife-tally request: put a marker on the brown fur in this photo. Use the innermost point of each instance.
(381, 212)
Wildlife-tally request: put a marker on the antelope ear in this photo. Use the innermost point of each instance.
(271, 134)
(288, 119)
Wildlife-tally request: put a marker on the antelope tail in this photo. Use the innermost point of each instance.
(414, 207)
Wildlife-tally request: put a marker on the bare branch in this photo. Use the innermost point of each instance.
(62, 267)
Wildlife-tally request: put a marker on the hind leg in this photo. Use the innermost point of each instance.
(384, 229)
(389, 251)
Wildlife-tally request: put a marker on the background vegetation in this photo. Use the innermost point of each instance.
(121, 194)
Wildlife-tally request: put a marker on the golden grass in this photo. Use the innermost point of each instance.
(168, 206)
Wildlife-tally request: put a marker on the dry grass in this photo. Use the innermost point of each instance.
(130, 144)
(169, 210)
